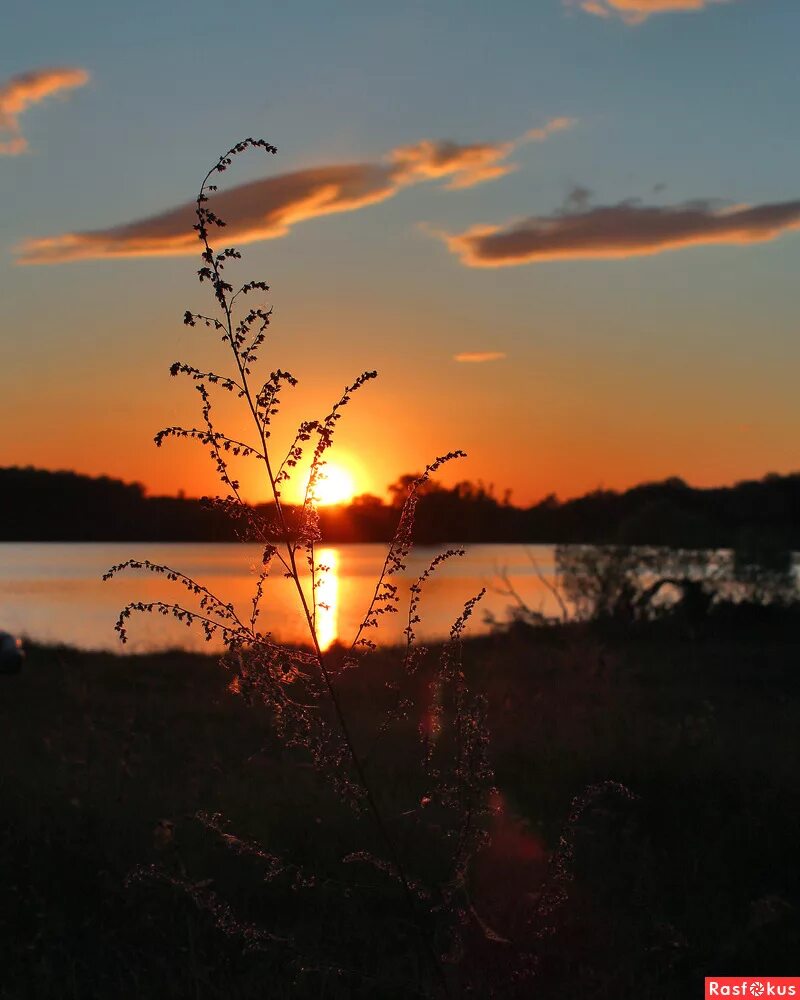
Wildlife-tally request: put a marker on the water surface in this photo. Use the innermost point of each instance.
(53, 592)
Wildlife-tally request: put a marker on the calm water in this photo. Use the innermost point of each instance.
(54, 592)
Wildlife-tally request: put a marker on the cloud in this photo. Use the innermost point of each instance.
(625, 230)
(268, 208)
(260, 210)
(554, 125)
(20, 92)
(636, 11)
(578, 198)
(477, 357)
(466, 166)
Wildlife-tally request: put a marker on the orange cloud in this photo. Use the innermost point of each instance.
(26, 89)
(260, 210)
(626, 230)
(465, 165)
(477, 357)
(268, 208)
(636, 11)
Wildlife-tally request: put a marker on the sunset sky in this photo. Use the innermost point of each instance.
(565, 232)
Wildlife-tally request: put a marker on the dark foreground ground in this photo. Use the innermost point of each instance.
(696, 875)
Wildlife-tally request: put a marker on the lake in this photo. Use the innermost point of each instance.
(53, 592)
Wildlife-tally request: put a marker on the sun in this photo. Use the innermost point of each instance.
(334, 486)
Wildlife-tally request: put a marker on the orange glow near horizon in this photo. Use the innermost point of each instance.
(562, 457)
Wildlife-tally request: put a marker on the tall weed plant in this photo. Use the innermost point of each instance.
(422, 705)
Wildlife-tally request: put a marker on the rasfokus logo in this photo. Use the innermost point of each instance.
(752, 986)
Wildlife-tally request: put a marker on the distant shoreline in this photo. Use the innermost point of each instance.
(43, 506)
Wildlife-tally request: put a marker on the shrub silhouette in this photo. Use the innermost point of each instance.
(306, 689)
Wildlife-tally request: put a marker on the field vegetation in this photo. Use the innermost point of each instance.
(646, 834)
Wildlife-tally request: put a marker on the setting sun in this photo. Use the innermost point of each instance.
(335, 485)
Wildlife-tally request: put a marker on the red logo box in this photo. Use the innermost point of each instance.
(752, 986)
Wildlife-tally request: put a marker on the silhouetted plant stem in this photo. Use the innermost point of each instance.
(394, 855)
(291, 550)
(266, 669)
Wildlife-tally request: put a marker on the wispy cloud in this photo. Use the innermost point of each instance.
(466, 166)
(561, 124)
(268, 208)
(636, 11)
(463, 166)
(625, 230)
(478, 357)
(20, 92)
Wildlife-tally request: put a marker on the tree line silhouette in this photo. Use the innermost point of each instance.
(39, 505)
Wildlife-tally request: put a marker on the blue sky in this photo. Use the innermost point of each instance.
(679, 362)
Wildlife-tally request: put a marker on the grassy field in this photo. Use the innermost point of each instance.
(106, 760)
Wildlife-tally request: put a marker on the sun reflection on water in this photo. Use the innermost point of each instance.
(328, 598)
(53, 593)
